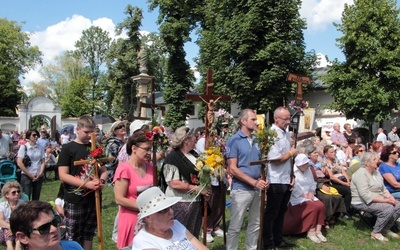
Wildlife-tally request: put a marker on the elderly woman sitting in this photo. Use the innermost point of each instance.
(305, 212)
(370, 194)
(160, 230)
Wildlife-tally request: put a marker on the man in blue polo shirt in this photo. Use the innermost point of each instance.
(242, 149)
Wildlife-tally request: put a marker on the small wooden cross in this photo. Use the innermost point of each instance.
(210, 99)
(300, 80)
(95, 162)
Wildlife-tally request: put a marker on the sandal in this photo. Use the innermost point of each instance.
(379, 237)
(391, 234)
(313, 238)
(321, 237)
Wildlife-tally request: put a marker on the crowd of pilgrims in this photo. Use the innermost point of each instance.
(336, 177)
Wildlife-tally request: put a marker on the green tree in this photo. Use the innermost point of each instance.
(92, 47)
(177, 19)
(17, 56)
(74, 102)
(156, 57)
(35, 89)
(365, 85)
(251, 46)
(58, 78)
(123, 63)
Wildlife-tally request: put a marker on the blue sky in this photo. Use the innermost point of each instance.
(57, 24)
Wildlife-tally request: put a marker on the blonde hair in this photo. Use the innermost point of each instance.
(10, 185)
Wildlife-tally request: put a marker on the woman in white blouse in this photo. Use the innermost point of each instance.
(32, 175)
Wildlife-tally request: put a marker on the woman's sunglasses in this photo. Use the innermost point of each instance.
(45, 228)
(15, 192)
(119, 127)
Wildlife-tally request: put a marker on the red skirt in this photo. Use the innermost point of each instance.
(302, 217)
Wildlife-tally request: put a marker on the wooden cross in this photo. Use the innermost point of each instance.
(210, 99)
(95, 162)
(300, 80)
(263, 163)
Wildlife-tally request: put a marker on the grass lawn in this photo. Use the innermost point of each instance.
(344, 235)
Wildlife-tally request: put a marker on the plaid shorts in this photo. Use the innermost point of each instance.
(80, 221)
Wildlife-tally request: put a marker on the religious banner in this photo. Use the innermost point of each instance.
(307, 121)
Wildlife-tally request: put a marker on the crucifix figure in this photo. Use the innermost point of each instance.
(210, 99)
(300, 80)
(95, 163)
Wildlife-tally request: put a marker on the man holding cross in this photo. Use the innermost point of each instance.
(242, 149)
(80, 184)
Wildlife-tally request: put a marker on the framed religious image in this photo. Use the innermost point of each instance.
(307, 121)
(261, 121)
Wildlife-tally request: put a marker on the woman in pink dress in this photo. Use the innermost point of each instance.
(131, 178)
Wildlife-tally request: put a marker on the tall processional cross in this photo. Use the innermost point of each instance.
(210, 99)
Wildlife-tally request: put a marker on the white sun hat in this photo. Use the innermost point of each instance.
(301, 159)
(153, 200)
(135, 125)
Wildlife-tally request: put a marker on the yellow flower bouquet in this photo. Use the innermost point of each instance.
(266, 138)
(210, 164)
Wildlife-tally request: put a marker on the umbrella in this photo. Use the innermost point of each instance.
(68, 128)
(103, 119)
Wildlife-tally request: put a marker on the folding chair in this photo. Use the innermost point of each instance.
(48, 172)
(366, 217)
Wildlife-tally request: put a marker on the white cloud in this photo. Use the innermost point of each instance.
(321, 13)
(321, 61)
(58, 38)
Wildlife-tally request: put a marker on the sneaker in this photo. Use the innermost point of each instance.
(209, 238)
(219, 233)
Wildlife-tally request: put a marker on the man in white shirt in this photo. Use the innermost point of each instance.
(381, 136)
(281, 179)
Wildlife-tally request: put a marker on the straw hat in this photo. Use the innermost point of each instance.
(116, 124)
(153, 200)
(180, 135)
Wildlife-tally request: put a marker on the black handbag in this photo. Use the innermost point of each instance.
(27, 161)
